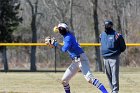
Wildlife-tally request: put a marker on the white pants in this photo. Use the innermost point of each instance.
(81, 64)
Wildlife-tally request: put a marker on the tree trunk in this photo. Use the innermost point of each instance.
(71, 14)
(33, 48)
(119, 12)
(33, 59)
(34, 8)
(96, 29)
(4, 58)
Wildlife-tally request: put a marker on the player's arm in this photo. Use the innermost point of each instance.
(122, 43)
(67, 44)
(57, 45)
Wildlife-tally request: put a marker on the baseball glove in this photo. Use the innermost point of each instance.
(50, 41)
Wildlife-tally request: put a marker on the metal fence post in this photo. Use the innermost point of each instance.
(55, 60)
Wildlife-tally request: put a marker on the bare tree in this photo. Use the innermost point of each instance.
(34, 12)
(94, 4)
(119, 12)
(71, 14)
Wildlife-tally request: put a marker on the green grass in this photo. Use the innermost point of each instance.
(20, 82)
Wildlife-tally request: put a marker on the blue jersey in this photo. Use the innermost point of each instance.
(71, 45)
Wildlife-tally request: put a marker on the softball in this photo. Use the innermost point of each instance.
(55, 29)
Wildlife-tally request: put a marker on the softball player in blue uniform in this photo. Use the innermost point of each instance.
(79, 59)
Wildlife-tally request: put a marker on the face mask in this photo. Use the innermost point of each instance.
(108, 28)
(62, 31)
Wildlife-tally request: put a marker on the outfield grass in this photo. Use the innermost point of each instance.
(20, 82)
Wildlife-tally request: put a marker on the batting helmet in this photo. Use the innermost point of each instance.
(108, 22)
(60, 26)
(63, 25)
(63, 28)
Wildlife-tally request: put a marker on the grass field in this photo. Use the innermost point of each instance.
(21, 82)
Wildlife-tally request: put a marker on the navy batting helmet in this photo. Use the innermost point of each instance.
(108, 22)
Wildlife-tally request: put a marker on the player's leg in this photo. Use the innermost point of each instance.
(114, 62)
(108, 72)
(69, 73)
(84, 66)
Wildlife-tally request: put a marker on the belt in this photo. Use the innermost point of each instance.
(76, 59)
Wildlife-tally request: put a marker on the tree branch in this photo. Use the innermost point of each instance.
(32, 8)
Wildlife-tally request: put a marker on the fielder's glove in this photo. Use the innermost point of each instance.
(51, 41)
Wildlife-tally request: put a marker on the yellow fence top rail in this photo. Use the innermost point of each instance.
(43, 44)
